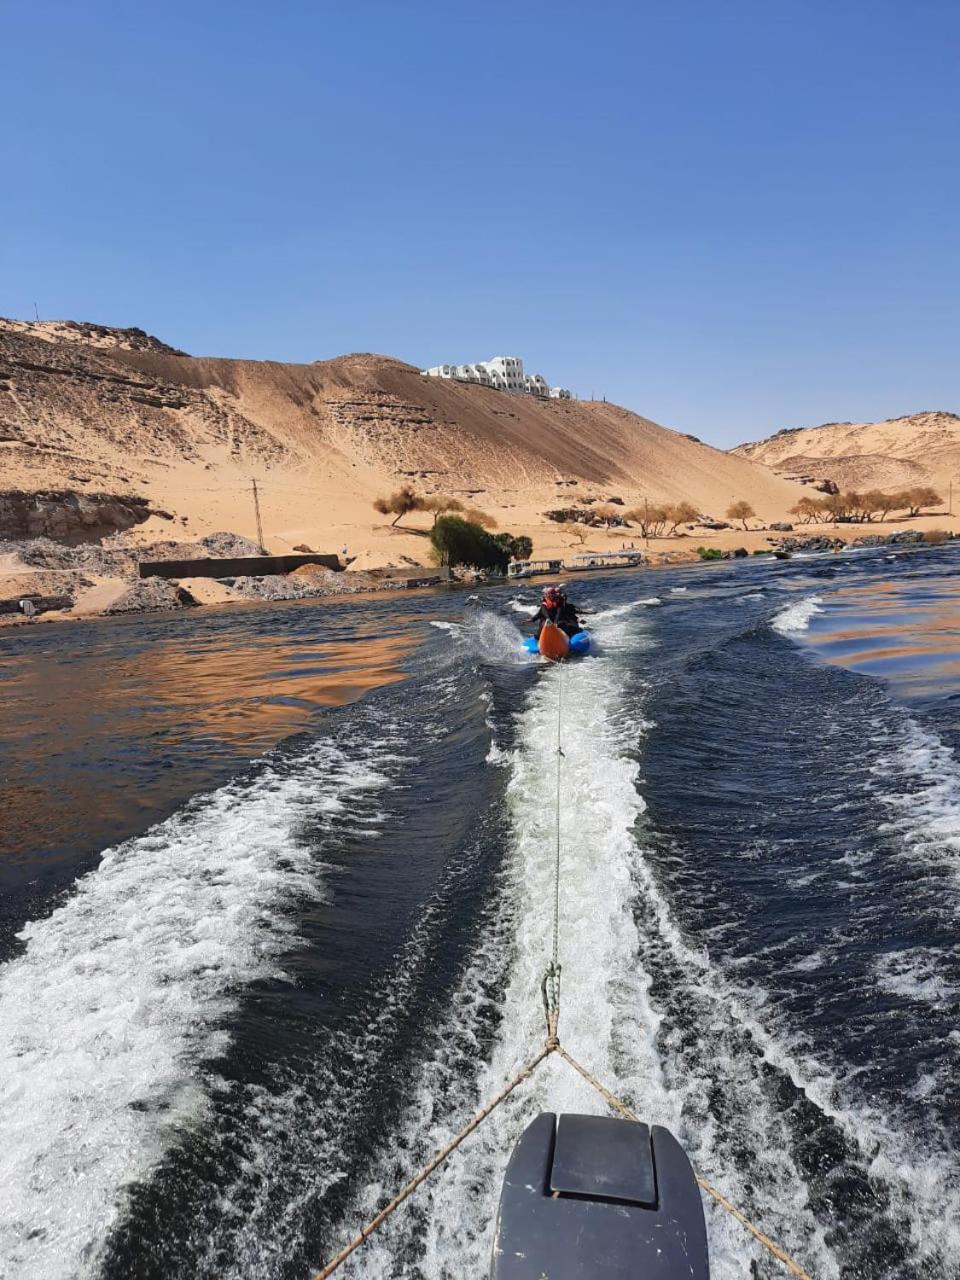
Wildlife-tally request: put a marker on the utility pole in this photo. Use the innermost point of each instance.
(950, 499)
(36, 312)
(256, 507)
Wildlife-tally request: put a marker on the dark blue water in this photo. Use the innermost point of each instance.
(318, 943)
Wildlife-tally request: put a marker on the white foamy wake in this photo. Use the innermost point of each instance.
(796, 616)
(920, 789)
(608, 1018)
(121, 995)
(599, 806)
(491, 637)
(914, 974)
(495, 639)
(622, 610)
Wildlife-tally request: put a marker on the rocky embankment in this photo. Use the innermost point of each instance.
(103, 579)
(901, 538)
(68, 515)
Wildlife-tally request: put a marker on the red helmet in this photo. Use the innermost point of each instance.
(551, 595)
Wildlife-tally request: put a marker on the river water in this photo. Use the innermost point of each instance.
(277, 900)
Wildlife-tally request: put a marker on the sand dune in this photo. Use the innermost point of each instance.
(921, 449)
(94, 409)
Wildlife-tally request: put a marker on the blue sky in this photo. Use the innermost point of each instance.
(731, 216)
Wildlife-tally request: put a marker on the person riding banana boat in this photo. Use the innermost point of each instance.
(556, 608)
(559, 633)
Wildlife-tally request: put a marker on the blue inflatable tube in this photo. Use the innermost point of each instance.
(579, 644)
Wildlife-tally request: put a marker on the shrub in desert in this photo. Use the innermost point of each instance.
(864, 506)
(834, 505)
(607, 515)
(652, 519)
(807, 510)
(936, 537)
(440, 505)
(456, 541)
(852, 505)
(576, 530)
(740, 510)
(918, 497)
(475, 516)
(681, 513)
(399, 504)
(879, 503)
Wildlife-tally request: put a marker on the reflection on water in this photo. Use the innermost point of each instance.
(107, 726)
(269, 688)
(905, 630)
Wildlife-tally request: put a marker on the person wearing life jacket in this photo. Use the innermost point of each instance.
(555, 607)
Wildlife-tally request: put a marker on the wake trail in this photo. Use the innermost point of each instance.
(610, 1017)
(123, 992)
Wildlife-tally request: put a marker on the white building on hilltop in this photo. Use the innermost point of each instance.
(503, 373)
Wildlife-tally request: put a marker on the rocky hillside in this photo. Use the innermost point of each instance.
(89, 409)
(88, 335)
(922, 448)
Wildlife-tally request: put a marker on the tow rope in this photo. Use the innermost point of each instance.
(550, 990)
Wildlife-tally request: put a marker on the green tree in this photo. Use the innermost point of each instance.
(522, 547)
(457, 541)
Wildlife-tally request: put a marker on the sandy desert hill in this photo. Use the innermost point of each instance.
(92, 409)
(923, 448)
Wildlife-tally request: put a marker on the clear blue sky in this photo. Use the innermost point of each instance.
(732, 215)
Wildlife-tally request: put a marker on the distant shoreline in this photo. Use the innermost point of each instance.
(328, 592)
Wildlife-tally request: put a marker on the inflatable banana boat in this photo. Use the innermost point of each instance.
(555, 644)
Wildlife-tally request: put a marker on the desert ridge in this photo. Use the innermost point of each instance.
(116, 447)
(922, 448)
(92, 409)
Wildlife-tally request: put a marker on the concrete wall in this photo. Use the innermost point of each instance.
(233, 566)
(40, 603)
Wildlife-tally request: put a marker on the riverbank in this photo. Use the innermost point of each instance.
(46, 581)
(101, 580)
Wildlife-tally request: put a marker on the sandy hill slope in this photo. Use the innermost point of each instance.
(93, 409)
(922, 448)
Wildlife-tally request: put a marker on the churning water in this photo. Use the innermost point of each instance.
(310, 954)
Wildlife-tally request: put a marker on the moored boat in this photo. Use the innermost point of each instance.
(603, 560)
(531, 568)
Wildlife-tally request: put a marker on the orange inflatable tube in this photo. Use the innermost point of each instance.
(553, 643)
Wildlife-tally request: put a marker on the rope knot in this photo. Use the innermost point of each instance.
(550, 990)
